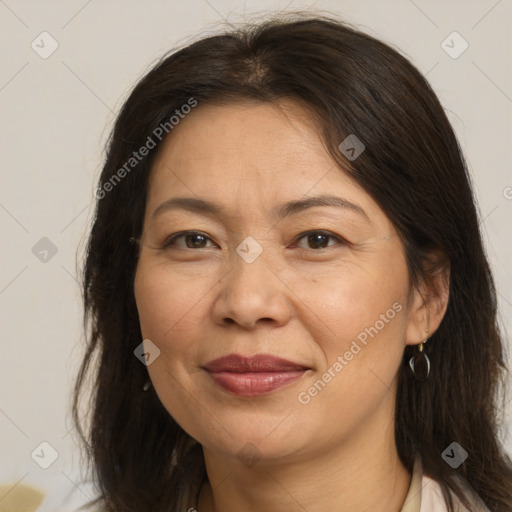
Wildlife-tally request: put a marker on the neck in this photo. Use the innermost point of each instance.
(364, 474)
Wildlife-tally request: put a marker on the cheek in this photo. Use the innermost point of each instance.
(166, 299)
(171, 307)
(357, 303)
(361, 319)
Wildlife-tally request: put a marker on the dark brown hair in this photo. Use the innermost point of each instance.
(412, 166)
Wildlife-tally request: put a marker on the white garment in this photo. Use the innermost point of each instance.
(425, 495)
(432, 499)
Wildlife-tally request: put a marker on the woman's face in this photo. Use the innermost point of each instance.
(325, 288)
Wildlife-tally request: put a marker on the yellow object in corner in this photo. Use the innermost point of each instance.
(19, 498)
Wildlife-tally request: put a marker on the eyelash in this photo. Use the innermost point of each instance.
(170, 241)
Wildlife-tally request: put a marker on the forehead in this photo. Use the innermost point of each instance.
(249, 153)
(247, 132)
(242, 140)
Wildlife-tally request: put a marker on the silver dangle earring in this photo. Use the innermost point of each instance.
(420, 363)
(147, 385)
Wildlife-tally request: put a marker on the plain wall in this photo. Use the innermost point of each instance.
(57, 113)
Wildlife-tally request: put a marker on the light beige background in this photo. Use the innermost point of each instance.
(57, 113)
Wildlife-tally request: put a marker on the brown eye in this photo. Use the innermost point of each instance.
(319, 239)
(193, 240)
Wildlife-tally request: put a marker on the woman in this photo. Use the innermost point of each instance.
(287, 290)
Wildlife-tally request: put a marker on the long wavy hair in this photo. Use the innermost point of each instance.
(413, 167)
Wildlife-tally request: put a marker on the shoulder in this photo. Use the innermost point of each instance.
(432, 498)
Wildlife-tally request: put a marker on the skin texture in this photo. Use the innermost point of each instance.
(295, 301)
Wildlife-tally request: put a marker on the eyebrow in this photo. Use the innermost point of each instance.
(205, 207)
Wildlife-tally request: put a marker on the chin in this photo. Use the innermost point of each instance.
(253, 440)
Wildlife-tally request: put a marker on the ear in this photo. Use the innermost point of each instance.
(429, 299)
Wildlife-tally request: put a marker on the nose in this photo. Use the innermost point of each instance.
(252, 294)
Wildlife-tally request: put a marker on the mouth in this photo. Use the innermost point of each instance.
(253, 376)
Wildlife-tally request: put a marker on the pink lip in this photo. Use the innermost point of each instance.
(253, 376)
